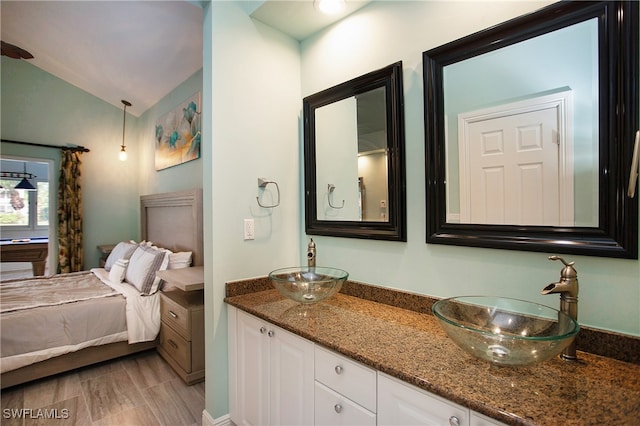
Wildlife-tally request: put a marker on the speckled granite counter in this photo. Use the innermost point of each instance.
(410, 345)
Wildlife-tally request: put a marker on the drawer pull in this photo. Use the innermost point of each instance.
(271, 333)
(338, 408)
(263, 330)
(172, 343)
(173, 314)
(338, 369)
(454, 421)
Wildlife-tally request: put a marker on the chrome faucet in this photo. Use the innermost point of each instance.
(568, 289)
(311, 254)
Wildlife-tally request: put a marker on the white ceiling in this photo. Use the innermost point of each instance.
(134, 50)
(300, 18)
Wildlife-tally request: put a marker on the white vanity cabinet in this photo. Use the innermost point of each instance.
(401, 403)
(279, 378)
(272, 373)
(345, 391)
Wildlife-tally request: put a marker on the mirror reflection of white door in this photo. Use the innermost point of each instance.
(516, 163)
(337, 160)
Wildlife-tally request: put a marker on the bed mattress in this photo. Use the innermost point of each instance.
(74, 311)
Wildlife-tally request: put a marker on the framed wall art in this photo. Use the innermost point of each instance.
(178, 134)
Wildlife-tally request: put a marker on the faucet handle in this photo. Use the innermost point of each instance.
(568, 271)
(561, 260)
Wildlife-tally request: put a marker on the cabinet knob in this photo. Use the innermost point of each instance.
(338, 369)
(173, 314)
(338, 408)
(271, 333)
(263, 330)
(454, 421)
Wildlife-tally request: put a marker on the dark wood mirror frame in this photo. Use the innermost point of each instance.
(395, 229)
(617, 231)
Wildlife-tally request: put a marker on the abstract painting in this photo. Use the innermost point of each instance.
(178, 134)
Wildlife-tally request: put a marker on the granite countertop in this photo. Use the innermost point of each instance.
(411, 346)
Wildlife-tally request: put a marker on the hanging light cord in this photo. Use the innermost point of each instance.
(124, 119)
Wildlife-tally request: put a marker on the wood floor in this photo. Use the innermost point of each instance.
(140, 389)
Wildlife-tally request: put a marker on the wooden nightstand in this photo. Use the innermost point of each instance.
(105, 251)
(182, 327)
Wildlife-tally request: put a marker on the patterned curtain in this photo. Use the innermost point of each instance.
(70, 253)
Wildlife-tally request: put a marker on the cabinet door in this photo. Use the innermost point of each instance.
(334, 409)
(274, 375)
(400, 403)
(252, 371)
(291, 387)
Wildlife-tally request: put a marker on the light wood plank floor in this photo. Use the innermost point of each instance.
(140, 389)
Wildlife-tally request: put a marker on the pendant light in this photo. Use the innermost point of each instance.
(123, 148)
(24, 183)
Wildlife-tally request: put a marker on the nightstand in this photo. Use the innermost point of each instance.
(182, 327)
(105, 251)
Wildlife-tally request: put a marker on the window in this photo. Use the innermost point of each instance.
(43, 204)
(14, 207)
(22, 210)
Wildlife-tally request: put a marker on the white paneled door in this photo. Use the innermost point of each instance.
(515, 165)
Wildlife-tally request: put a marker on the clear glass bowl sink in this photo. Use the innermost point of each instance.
(505, 331)
(308, 284)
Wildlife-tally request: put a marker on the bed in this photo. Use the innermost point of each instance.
(98, 322)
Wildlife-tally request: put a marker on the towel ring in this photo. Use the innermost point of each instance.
(262, 183)
(330, 188)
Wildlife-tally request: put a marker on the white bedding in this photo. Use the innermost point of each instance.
(68, 326)
(143, 311)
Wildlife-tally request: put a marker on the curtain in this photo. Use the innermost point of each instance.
(70, 253)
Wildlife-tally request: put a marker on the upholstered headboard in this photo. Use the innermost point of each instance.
(173, 220)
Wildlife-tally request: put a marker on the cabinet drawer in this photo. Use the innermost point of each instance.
(477, 419)
(349, 378)
(178, 348)
(333, 409)
(405, 404)
(175, 315)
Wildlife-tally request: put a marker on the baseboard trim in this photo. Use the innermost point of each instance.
(208, 420)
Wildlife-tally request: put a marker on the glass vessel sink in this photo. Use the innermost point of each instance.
(505, 331)
(308, 284)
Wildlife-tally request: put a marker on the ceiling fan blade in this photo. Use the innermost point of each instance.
(15, 52)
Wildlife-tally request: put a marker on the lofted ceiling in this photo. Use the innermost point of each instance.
(135, 50)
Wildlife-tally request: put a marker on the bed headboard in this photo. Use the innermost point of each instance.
(173, 220)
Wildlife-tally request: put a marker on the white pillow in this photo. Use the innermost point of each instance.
(118, 270)
(180, 260)
(143, 265)
(122, 250)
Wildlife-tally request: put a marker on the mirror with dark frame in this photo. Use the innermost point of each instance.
(354, 158)
(530, 129)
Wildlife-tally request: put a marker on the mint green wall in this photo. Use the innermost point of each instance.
(183, 176)
(382, 33)
(250, 131)
(39, 107)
